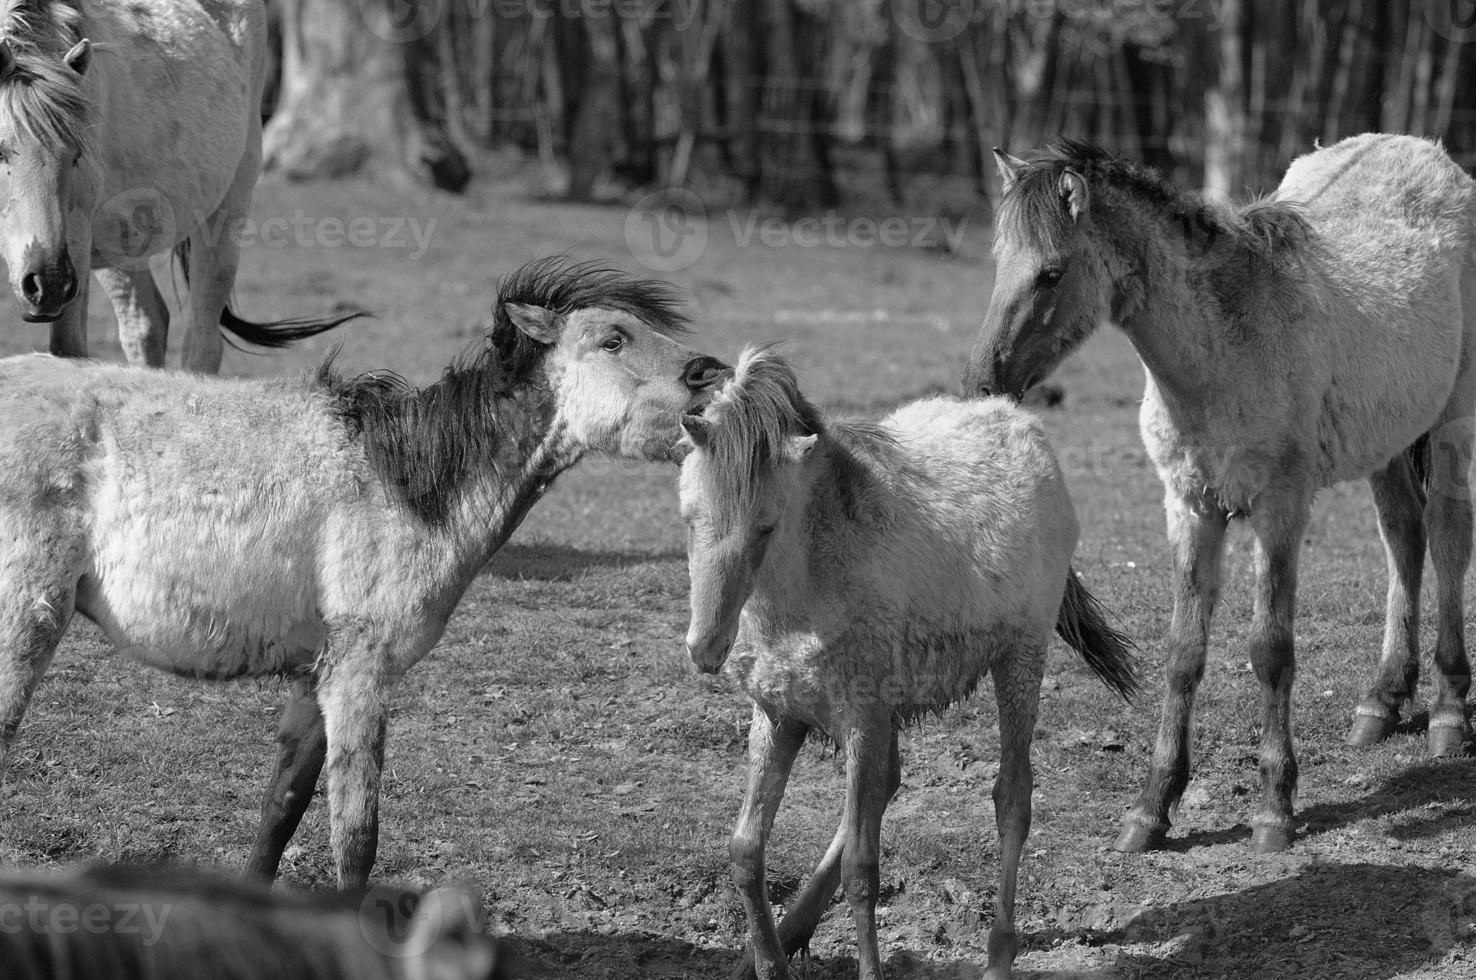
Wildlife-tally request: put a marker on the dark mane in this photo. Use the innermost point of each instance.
(1034, 211)
(424, 443)
(43, 97)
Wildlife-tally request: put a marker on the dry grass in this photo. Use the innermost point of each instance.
(557, 751)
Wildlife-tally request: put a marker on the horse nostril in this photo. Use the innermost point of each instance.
(703, 372)
(32, 288)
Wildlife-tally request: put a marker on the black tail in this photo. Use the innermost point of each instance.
(1082, 623)
(274, 334)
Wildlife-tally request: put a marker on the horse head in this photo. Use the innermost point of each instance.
(43, 111)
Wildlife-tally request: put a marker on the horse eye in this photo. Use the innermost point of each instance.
(613, 344)
(765, 531)
(1049, 278)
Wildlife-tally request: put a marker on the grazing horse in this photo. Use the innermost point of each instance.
(864, 574)
(1320, 335)
(320, 529)
(129, 130)
(123, 924)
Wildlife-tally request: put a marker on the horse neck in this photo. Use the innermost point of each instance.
(498, 493)
(812, 524)
(1157, 259)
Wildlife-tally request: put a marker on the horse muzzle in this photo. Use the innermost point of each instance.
(44, 295)
(709, 655)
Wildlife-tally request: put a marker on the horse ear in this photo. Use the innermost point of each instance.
(800, 447)
(1074, 193)
(698, 430)
(80, 57)
(1009, 168)
(538, 322)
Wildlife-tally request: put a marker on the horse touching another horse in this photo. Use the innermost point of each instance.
(122, 924)
(881, 571)
(128, 130)
(321, 529)
(1324, 334)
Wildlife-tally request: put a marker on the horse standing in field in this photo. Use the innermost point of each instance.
(323, 529)
(1323, 334)
(119, 924)
(128, 130)
(863, 575)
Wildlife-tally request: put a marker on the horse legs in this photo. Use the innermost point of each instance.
(1017, 675)
(1448, 523)
(143, 316)
(352, 698)
(213, 258)
(772, 747)
(1197, 536)
(302, 750)
(1278, 527)
(69, 333)
(32, 622)
(1400, 501)
(803, 918)
(868, 742)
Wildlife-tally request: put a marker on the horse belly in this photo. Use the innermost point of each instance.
(205, 598)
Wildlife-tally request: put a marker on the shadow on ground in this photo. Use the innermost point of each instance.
(557, 563)
(1369, 921)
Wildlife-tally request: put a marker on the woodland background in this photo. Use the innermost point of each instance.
(793, 102)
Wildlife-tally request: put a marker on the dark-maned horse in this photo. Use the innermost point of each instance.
(1325, 334)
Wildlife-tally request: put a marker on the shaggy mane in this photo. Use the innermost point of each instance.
(425, 443)
(1033, 211)
(43, 98)
(761, 408)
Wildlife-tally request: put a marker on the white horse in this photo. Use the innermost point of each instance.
(131, 130)
(863, 575)
(321, 529)
(1326, 334)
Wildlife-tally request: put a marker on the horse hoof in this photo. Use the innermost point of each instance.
(1270, 840)
(1369, 730)
(1447, 741)
(1136, 838)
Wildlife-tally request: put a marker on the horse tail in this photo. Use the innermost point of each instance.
(272, 334)
(1082, 623)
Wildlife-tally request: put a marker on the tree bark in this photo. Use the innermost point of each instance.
(345, 104)
(1224, 108)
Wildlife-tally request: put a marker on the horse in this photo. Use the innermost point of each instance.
(320, 529)
(1325, 333)
(131, 130)
(862, 574)
(145, 924)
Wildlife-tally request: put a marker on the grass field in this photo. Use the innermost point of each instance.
(557, 751)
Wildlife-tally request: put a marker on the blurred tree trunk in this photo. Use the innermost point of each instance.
(593, 101)
(345, 106)
(1224, 105)
(796, 167)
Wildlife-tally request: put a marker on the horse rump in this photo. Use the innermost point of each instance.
(139, 924)
(1082, 623)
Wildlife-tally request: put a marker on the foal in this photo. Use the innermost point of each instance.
(1326, 334)
(321, 530)
(881, 570)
